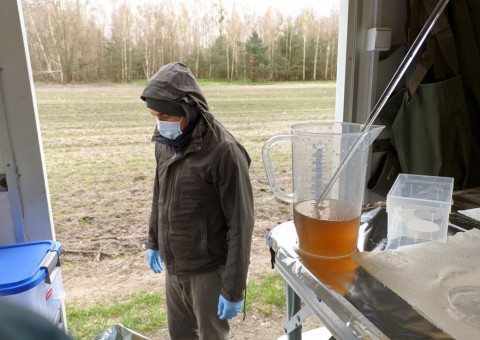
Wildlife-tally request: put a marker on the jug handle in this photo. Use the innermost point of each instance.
(272, 180)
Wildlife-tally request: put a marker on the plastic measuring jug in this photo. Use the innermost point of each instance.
(326, 228)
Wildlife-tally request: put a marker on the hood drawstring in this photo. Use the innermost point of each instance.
(245, 297)
(203, 109)
(202, 112)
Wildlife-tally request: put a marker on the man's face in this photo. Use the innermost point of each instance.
(167, 118)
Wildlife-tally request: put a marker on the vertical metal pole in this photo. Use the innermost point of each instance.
(293, 306)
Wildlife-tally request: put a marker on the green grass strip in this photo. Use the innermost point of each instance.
(142, 312)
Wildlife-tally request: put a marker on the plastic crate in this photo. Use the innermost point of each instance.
(31, 277)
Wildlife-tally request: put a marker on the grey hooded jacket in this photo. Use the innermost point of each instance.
(202, 211)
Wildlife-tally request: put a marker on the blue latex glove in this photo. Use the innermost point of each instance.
(228, 309)
(154, 260)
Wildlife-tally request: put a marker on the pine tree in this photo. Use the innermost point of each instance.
(256, 57)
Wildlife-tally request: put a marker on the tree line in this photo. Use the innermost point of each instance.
(81, 41)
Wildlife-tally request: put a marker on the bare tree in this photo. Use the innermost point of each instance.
(271, 28)
(233, 28)
(148, 39)
(304, 22)
(317, 44)
(121, 42)
(64, 38)
(74, 40)
(43, 54)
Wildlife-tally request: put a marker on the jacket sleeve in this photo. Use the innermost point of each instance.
(236, 197)
(152, 242)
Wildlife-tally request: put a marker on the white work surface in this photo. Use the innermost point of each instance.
(423, 275)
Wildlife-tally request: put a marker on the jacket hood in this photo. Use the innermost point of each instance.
(175, 82)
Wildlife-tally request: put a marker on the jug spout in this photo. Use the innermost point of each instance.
(374, 132)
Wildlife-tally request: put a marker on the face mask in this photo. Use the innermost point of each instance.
(170, 130)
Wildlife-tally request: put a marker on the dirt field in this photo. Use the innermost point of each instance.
(96, 278)
(99, 269)
(100, 167)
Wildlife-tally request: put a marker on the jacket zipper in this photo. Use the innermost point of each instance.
(168, 214)
(174, 157)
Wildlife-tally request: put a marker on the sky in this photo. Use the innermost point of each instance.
(292, 7)
(287, 7)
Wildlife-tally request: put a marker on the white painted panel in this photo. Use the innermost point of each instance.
(345, 60)
(21, 117)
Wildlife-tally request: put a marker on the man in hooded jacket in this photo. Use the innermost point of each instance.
(202, 212)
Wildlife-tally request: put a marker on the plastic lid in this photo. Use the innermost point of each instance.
(425, 188)
(20, 263)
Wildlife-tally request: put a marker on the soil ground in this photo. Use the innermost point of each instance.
(98, 277)
(99, 162)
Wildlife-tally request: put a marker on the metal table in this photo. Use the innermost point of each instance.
(350, 302)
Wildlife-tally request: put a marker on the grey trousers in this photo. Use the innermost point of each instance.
(192, 304)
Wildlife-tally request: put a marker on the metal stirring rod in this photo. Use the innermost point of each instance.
(411, 53)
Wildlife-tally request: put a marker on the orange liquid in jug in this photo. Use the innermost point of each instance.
(339, 274)
(330, 230)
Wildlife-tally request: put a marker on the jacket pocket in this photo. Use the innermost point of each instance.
(188, 239)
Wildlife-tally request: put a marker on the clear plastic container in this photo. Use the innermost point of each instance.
(418, 209)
